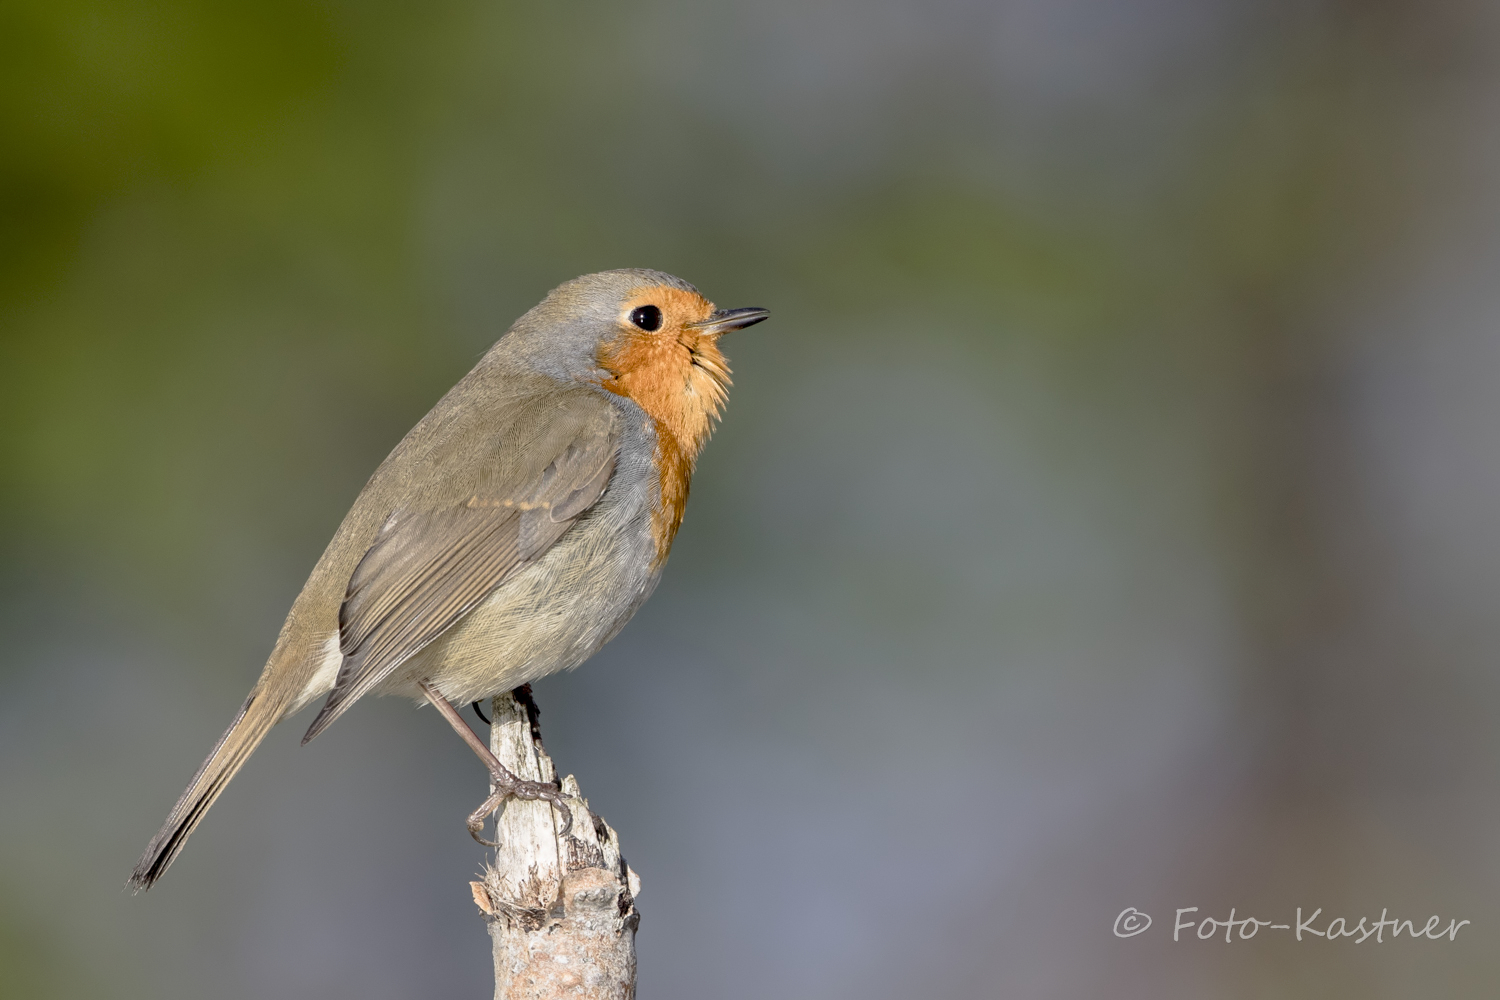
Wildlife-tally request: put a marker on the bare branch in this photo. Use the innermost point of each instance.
(560, 909)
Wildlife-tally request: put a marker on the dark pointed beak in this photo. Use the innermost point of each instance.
(726, 320)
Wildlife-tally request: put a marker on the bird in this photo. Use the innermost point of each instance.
(509, 535)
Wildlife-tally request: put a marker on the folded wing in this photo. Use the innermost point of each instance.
(429, 567)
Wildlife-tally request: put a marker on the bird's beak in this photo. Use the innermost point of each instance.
(726, 320)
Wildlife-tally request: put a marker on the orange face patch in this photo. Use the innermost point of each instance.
(680, 378)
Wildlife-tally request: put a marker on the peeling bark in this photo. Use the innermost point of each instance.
(560, 909)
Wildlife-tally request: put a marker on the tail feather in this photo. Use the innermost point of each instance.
(255, 719)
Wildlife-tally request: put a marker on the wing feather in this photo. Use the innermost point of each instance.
(428, 568)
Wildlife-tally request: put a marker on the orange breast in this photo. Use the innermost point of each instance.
(681, 379)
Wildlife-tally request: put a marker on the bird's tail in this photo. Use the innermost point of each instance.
(255, 719)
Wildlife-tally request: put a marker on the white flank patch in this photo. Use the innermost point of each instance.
(322, 680)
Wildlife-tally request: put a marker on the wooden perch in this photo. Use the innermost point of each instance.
(560, 909)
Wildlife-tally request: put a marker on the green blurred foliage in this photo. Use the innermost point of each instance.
(32, 965)
(98, 98)
(220, 226)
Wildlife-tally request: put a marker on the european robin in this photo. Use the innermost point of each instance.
(511, 534)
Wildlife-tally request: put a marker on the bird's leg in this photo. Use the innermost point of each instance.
(507, 784)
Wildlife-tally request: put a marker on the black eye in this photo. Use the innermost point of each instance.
(646, 317)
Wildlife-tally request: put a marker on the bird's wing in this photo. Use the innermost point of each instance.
(431, 565)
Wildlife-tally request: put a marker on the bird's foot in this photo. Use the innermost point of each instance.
(508, 785)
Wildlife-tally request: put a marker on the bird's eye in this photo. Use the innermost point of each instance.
(646, 317)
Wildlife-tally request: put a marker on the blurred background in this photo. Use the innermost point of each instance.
(1108, 517)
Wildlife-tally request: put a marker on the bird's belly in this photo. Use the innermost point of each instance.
(548, 616)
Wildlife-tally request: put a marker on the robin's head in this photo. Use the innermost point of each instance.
(645, 335)
(652, 339)
(665, 355)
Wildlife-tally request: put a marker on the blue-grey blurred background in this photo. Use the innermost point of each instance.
(1109, 515)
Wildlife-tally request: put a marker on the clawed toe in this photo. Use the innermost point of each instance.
(551, 792)
(507, 785)
(476, 830)
(476, 819)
